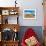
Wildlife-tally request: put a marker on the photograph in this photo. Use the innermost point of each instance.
(29, 13)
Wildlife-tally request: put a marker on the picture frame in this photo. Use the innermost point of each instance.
(5, 12)
(29, 14)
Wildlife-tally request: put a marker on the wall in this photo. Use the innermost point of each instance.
(39, 11)
(35, 4)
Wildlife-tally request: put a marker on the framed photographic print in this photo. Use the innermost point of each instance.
(29, 13)
(5, 12)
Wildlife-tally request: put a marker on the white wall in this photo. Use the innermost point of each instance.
(35, 4)
(7, 3)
